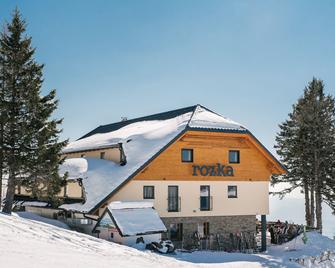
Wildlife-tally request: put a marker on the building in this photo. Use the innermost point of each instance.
(205, 174)
(130, 223)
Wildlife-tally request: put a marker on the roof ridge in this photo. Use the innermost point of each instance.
(188, 122)
(138, 119)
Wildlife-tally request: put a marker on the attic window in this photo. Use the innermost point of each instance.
(234, 157)
(187, 155)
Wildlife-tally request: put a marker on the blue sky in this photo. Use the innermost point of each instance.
(248, 60)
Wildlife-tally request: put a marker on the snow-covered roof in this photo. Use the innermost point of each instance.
(75, 167)
(134, 218)
(33, 203)
(130, 204)
(204, 118)
(142, 140)
(198, 117)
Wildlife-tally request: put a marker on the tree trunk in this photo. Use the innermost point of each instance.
(318, 196)
(307, 204)
(312, 206)
(10, 193)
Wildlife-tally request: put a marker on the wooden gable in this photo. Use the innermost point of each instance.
(211, 149)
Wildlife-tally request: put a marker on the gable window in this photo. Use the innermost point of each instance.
(232, 191)
(234, 157)
(148, 192)
(102, 155)
(205, 197)
(187, 155)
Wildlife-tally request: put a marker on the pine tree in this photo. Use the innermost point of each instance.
(30, 138)
(45, 151)
(306, 144)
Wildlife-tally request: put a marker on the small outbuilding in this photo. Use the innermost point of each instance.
(130, 223)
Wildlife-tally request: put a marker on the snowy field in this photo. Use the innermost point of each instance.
(27, 242)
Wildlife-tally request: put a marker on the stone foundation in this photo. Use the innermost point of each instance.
(218, 225)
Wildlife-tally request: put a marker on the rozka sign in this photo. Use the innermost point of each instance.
(213, 170)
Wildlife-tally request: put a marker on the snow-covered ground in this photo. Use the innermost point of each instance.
(25, 241)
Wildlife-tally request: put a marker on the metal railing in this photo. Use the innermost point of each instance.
(210, 205)
(174, 204)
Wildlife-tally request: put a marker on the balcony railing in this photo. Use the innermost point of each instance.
(207, 205)
(174, 204)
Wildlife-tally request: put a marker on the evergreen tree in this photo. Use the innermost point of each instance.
(30, 138)
(306, 144)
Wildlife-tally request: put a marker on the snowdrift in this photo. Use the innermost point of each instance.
(28, 242)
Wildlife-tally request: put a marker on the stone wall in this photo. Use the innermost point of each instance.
(218, 225)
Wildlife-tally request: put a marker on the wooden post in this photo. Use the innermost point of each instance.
(263, 223)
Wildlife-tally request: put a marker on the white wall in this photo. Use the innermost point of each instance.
(105, 233)
(253, 197)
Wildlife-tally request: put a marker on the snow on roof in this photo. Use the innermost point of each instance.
(140, 219)
(147, 138)
(141, 141)
(76, 168)
(203, 118)
(34, 204)
(130, 204)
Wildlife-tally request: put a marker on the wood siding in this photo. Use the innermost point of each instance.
(210, 148)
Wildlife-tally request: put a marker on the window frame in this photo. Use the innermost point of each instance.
(192, 155)
(179, 231)
(177, 198)
(153, 191)
(235, 196)
(206, 229)
(209, 198)
(238, 156)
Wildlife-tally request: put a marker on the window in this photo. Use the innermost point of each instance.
(102, 155)
(204, 197)
(176, 231)
(234, 157)
(82, 155)
(173, 199)
(148, 192)
(206, 229)
(232, 191)
(187, 155)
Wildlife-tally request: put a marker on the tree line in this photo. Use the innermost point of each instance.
(30, 149)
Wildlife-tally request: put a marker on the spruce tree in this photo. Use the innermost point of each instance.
(306, 145)
(30, 138)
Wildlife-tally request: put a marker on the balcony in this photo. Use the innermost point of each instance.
(206, 203)
(174, 204)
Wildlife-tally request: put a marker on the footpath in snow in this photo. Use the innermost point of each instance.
(26, 241)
